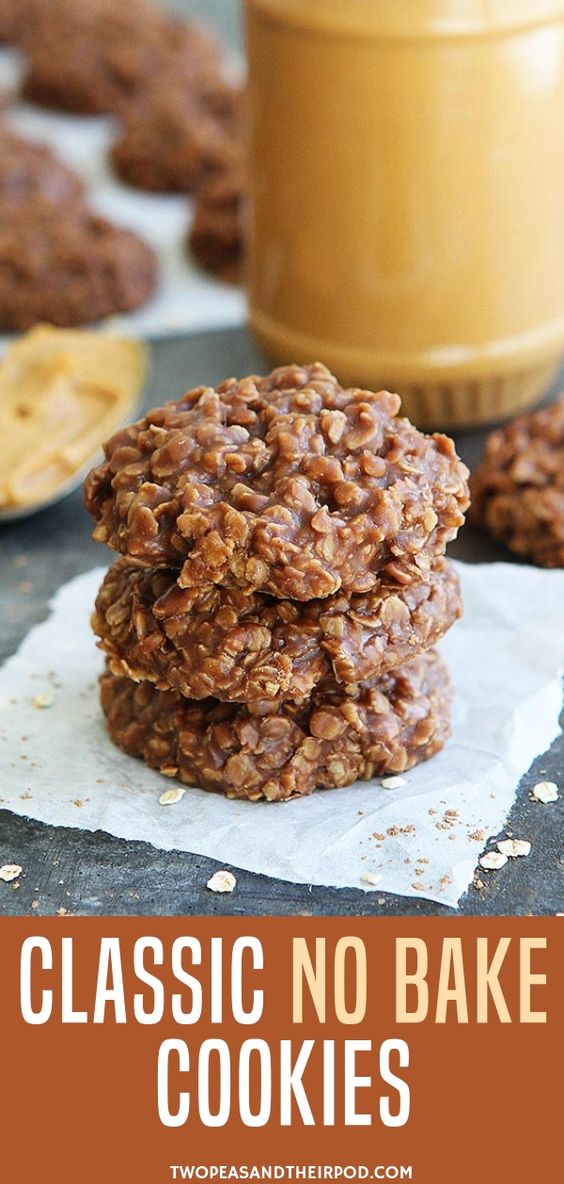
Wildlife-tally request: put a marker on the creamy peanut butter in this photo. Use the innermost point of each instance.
(62, 393)
(406, 212)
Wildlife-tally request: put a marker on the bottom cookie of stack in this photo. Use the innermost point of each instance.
(279, 750)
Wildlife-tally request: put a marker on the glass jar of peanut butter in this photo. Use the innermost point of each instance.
(406, 212)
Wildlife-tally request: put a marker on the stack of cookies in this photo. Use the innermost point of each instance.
(269, 627)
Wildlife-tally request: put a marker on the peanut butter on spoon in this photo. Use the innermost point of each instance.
(62, 393)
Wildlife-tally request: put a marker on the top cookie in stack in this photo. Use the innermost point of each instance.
(283, 573)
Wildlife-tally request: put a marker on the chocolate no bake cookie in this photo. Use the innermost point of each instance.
(29, 171)
(287, 484)
(278, 752)
(12, 13)
(68, 267)
(176, 134)
(16, 15)
(518, 489)
(239, 646)
(217, 237)
(94, 56)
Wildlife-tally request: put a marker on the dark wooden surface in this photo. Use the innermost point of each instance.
(97, 874)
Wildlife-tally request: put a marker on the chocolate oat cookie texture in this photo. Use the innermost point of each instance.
(269, 627)
(242, 645)
(277, 751)
(518, 489)
(95, 56)
(30, 171)
(68, 270)
(59, 262)
(288, 485)
(178, 124)
(176, 134)
(217, 235)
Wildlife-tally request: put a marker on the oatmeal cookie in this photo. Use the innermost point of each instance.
(216, 237)
(94, 56)
(68, 267)
(10, 20)
(273, 751)
(239, 646)
(518, 489)
(287, 484)
(29, 171)
(15, 18)
(175, 135)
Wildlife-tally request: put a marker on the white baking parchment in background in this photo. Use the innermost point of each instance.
(57, 764)
(187, 300)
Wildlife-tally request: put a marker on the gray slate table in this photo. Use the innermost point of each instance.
(96, 874)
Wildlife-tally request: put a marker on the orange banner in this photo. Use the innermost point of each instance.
(155, 1050)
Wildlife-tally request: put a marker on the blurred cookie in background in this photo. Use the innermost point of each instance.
(14, 18)
(216, 238)
(68, 267)
(518, 489)
(176, 134)
(93, 56)
(29, 171)
(8, 20)
(59, 262)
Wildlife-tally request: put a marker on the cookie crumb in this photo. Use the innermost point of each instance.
(222, 881)
(545, 792)
(9, 872)
(513, 848)
(492, 861)
(171, 796)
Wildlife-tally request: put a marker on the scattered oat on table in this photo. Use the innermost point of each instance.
(42, 701)
(372, 878)
(393, 783)
(222, 881)
(492, 861)
(9, 872)
(171, 796)
(545, 792)
(513, 848)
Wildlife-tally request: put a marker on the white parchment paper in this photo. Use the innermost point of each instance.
(57, 764)
(187, 300)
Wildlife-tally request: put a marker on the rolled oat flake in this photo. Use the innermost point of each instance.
(9, 872)
(222, 881)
